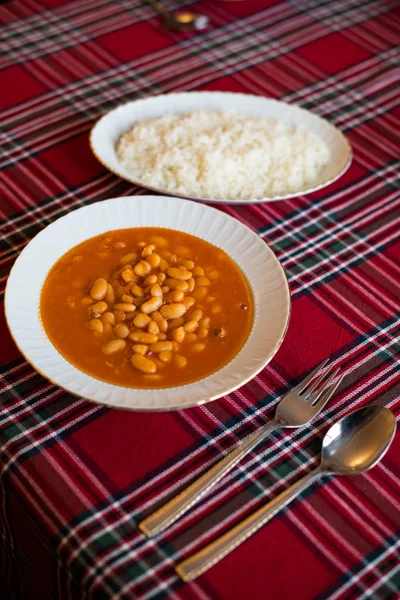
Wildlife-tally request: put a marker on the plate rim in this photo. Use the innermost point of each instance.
(239, 201)
(221, 393)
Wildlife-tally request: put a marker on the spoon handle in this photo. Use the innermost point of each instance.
(208, 556)
(160, 8)
(168, 513)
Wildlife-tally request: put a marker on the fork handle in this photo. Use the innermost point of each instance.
(208, 556)
(175, 508)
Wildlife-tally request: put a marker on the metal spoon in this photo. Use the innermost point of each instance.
(351, 446)
(180, 21)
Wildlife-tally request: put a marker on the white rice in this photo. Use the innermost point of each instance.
(222, 155)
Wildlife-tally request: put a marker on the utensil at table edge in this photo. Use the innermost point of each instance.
(351, 446)
(295, 409)
(180, 21)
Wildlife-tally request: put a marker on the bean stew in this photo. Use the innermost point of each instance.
(147, 307)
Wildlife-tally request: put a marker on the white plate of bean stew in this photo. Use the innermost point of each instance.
(148, 303)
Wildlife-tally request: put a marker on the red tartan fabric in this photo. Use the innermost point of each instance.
(76, 478)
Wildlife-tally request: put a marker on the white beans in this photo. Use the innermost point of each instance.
(98, 289)
(172, 311)
(143, 337)
(202, 281)
(203, 333)
(152, 376)
(154, 260)
(179, 274)
(178, 334)
(200, 293)
(119, 316)
(188, 302)
(175, 296)
(108, 317)
(199, 347)
(128, 258)
(174, 323)
(153, 327)
(163, 265)
(128, 276)
(183, 251)
(155, 290)
(176, 284)
(166, 356)
(191, 337)
(191, 326)
(137, 291)
(161, 322)
(152, 305)
(160, 347)
(121, 331)
(195, 314)
(150, 279)
(161, 277)
(125, 307)
(113, 346)
(188, 264)
(110, 295)
(143, 364)
(141, 320)
(180, 361)
(142, 268)
(98, 309)
(205, 322)
(158, 240)
(147, 250)
(213, 275)
(140, 349)
(96, 325)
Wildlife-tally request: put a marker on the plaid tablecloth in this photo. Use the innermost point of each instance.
(75, 477)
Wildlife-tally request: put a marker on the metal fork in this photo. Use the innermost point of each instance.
(295, 409)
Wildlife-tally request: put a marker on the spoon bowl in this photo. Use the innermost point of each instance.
(186, 21)
(358, 441)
